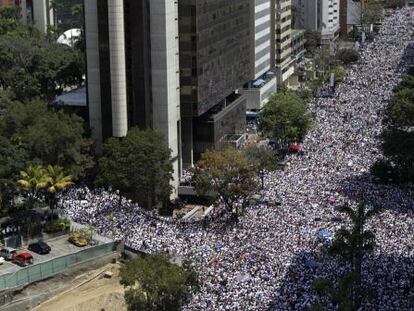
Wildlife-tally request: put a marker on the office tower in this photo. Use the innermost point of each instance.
(282, 40)
(215, 61)
(133, 70)
(321, 16)
(264, 82)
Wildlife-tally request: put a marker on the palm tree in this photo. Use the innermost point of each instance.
(354, 243)
(32, 181)
(57, 181)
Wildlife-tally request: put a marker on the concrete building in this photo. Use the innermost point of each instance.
(215, 61)
(321, 16)
(282, 39)
(298, 44)
(264, 83)
(133, 70)
(38, 12)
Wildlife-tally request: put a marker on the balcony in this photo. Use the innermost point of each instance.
(258, 96)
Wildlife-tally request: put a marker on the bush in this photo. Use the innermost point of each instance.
(80, 238)
(58, 225)
(347, 56)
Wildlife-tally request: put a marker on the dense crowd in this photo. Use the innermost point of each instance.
(263, 262)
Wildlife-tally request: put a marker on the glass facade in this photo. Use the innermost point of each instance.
(215, 55)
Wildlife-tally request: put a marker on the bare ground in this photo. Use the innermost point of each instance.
(96, 293)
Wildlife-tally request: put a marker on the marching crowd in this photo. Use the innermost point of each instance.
(263, 262)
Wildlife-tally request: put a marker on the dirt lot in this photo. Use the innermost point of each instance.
(93, 293)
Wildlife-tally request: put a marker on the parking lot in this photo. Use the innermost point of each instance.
(59, 247)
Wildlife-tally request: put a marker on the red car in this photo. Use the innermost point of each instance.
(23, 259)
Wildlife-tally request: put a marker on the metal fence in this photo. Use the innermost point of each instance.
(43, 270)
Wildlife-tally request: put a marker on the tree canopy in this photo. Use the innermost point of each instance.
(285, 117)
(138, 165)
(227, 176)
(154, 283)
(264, 158)
(44, 136)
(32, 64)
(347, 56)
(398, 135)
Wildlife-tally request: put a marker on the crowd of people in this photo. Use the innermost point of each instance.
(262, 263)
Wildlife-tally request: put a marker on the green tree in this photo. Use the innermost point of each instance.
(12, 161)
(406, 83)
(398, 133)
(263, 158)
(139, 165)
(32, 63)
(313, 41)
(31, 67)
(347, 56)
(340, 72)
(225, 175)
(285, 118)
(354, 243)
(154, 283)
(46, 136)
(372, 12)
(57, 181)
(33, 181)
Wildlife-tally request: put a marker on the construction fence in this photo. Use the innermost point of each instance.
(46, 269)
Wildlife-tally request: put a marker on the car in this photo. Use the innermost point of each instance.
(39, 247)
(23, 259)
(7, 253)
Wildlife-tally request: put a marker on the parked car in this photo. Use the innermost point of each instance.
(39, 247)
(7, 253)
(23, 259)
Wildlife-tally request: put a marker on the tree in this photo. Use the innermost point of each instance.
(347, 56)
(225, 175)
(138, 164)
(32, 64)
(353, 244)
(46, 136)
(398, 134)
(263, 158)
(371, 12)
(285, 118)
(12, 161)
(313, 40)
(154, 283)
(340, 72)
(31, 67)
(57, 181)
(33, 181)
(398, 148)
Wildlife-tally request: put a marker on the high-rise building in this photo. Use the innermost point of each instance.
(264, 82)
(215, 61)
(321, 16)
(133, 70)
(282, 39)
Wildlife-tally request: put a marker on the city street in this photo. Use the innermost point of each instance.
(262, 263)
